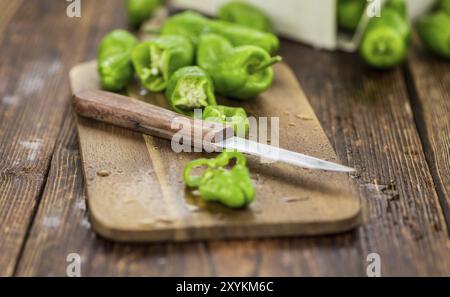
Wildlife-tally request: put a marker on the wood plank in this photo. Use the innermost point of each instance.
(34, 95)
(429, 82)
(144, 199)
(62, 227)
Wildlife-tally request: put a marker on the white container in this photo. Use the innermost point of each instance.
(309, 21)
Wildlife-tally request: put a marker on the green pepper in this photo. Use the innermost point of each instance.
(245, 14)
(190, 88)
(444, 5)
(114, 60)
(242, 72)
(233, 116)
(193, 25)
(387, 38)
(141, 10)
(349, 13)
(434, 31)
(233, 188)
(156, 60)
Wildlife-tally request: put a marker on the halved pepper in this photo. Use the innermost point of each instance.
(190, 88)
(156, 60)
(387, 38)
(434, 31)
(242, 72)
(114, 60)
(141, 10)
(193, 25)
(233, 188)
(233, 116)
(245, 14)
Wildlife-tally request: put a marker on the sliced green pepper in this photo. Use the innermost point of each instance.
(114, 60)
(141, 10)
(233, 188)
(241, 73)
(349, 13)
(245, 14)
(190, 88)
(193, 25)
(434, 31)
(156, 60)
(233, 116)
(387, 38)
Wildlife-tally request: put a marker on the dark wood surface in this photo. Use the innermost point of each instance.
(393, 126)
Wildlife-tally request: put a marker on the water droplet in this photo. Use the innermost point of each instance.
(103, 173)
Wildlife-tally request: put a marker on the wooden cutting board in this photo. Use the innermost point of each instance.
(136, 193)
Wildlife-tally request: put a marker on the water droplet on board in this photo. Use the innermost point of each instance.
(304, 117)
(164, 220)
(294, 199)
(103, 173)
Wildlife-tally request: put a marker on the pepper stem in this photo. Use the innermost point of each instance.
(265, 65)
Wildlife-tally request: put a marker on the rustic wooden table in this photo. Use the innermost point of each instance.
(393, 126)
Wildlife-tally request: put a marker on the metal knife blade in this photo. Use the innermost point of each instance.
(280, 155)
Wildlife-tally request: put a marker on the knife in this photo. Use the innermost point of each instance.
(130, 113)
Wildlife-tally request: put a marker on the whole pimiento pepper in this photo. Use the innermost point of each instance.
(156, 60)
(141, 10)
(245, 14)
(233, 188)
(387, 38)
(242, 72)
(236, 117)
(434, 31)
(349, 13)
(193, 25)
(114, 60)
(190, 88)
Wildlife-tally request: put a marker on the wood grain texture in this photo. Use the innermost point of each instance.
(356, 107)
(33, 90)
(429, 82)
(369, 120)
(141, 196)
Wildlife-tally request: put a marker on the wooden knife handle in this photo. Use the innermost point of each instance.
(136, 115)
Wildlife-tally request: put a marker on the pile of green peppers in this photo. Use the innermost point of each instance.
(245, 14)
(434, 30)
(230, 187)
(387, 38)
(191, 60)
(194, 25)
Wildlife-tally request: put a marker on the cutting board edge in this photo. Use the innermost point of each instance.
(290, 229)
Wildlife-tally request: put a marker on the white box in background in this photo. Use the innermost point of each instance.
(310, 21)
